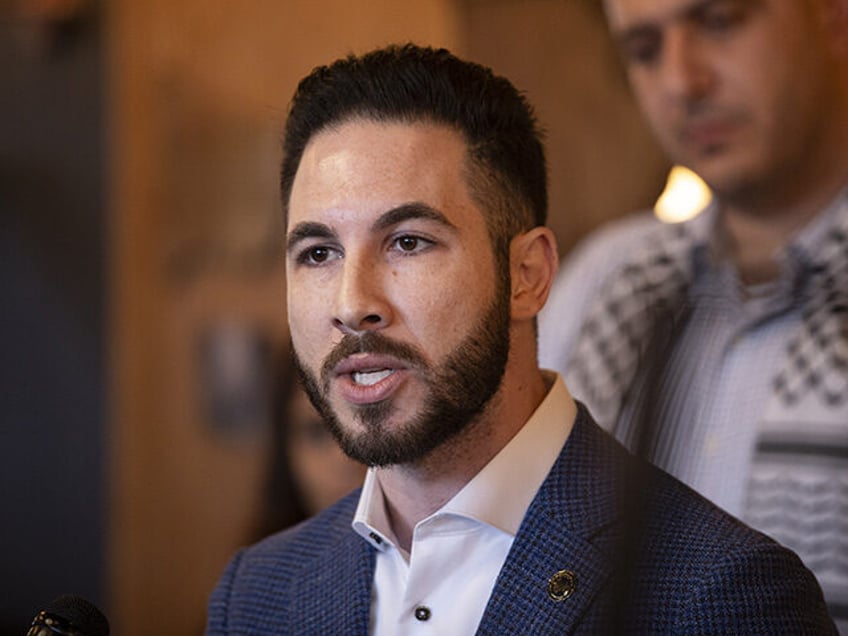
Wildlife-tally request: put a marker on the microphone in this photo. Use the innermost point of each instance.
(69, 615)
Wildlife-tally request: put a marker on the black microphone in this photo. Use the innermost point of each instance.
(69, 615)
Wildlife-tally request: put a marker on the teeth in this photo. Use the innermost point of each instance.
(368, 378)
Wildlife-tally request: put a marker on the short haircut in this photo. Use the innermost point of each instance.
(409, 83)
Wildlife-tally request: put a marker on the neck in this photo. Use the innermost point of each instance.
(758, 219)
(753, 242)
(755, 227)
(415, 491)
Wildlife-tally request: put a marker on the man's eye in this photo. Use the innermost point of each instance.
(642, 54)
(316, 255)
(721, 17)
(408, 243)
(641, 50)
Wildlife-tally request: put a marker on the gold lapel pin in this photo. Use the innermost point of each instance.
(562, 585)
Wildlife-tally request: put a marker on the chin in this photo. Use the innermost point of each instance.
(722, 175)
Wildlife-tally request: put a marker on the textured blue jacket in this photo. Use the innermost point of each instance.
(648, 556)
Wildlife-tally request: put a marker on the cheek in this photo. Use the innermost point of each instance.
(305, 320)
(299, 330)
(445, 305)
(646, 89)
(655, 106)
(660, 116)
(311, 349)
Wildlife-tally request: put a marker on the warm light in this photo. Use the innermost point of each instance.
(685, 195)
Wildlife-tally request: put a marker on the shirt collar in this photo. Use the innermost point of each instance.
(370, 520)
(494, 496)
(809, 239)
(797, 257)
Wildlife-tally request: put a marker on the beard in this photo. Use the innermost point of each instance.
(457, 390)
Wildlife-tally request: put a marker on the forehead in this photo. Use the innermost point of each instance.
(626, 14)
(363, 165)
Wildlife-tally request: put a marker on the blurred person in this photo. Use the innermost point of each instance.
(414, 187)
(307, 469)
(719, 346)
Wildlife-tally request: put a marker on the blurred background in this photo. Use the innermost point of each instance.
(142, 277)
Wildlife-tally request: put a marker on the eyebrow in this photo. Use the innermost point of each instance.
(411, 211)
(307, 230)
(649, 25)
(399, 214)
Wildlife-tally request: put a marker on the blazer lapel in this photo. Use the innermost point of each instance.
(568, 527)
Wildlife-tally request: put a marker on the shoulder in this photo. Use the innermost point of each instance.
(311, 537)
(607, 249)
(584, 272)
(731, 578)
(715, 561)
(261, 576)
(610, 242)
(687, 565)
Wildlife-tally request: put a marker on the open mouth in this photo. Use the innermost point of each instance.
(366, 378)
(370, 378)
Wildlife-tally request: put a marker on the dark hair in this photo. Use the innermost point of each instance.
(408, 83)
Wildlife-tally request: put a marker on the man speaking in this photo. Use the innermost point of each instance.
(414, 188)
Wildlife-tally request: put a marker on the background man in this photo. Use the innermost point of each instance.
(720, 346)
(414, 187)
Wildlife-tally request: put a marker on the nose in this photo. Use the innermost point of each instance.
(361, 303)
(685, 69)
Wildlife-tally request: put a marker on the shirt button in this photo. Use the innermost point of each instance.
(422, 613)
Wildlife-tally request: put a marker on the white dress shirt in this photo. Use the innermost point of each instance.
(443, 585)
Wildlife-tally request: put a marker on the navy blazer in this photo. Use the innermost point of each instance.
(648, 555)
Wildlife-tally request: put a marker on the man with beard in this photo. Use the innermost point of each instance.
(415, 195)
(719, 346)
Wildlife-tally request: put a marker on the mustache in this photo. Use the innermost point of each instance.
(370, 342)
(700, 111)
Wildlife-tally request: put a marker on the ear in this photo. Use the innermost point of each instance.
(533, 265)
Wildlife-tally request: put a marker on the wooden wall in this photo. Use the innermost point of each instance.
(602, 159)
(199, 90)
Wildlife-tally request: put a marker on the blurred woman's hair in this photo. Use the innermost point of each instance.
(282, 503)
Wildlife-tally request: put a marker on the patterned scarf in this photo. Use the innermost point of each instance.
(638, 309)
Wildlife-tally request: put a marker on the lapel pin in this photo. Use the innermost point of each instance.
(562, 585)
